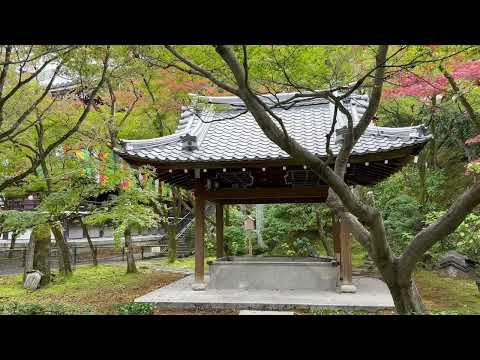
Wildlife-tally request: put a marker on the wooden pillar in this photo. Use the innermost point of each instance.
(219, 231)
(199, 283)
(346, 260)
(336, 237)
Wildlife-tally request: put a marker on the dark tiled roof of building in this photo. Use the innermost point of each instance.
(232, 134)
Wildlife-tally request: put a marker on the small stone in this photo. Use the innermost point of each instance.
(348, 288)
(199, 286)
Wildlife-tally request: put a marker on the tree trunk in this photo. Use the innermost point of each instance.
(407, 299)
(12, 244)
(38, 252)
(321, 235)
(41, 151)
(227, 215)
(93, 251)
(131, 268)
(46, 175)
(472, 115)
(65, 267)
(29, 256)
(402, 286)
(172, 243)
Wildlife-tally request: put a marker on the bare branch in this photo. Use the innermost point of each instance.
(463, 100)
(3, 75)
(32, 107)
(200, 71)
(22, 61)
(65, 136)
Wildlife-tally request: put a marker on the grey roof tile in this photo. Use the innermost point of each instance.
(242, 139)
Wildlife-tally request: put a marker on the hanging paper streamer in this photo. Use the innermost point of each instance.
(80, 154)
(124, 184)
(102, 156)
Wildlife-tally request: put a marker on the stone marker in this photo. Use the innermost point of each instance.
(259, 312)
(456, 265)
(32, 280)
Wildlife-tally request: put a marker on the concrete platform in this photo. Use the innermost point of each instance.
(372, 294)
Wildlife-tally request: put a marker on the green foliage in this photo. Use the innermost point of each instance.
(19, 221)
(54, 207)
(292, 229)
(465, 239)
(209, 244)
(235, 240)
(13, 308)
(402, 219)
(131, 209)
(41, 232)
(133, 309)
(341, 312)
(404, 203)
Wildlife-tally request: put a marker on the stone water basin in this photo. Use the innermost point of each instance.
(273, 273)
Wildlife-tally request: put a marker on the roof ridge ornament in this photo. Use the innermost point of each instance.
(189, 142)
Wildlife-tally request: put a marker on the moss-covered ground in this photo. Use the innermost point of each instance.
(101, 289)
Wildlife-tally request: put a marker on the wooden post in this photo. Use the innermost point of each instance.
(199, 236)
(219, 231)
(346, 260)
(336, 237)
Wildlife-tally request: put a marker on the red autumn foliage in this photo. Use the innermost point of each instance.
(427, 85)
(473, 140)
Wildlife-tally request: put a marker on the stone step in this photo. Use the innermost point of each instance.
(264, 312)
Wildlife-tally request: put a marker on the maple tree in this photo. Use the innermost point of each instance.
(431, 87)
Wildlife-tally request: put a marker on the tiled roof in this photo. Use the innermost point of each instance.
(232, 134)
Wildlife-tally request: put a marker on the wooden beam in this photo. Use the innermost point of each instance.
(239, 164)
(220, 249)
(317, 193)
(275, 201)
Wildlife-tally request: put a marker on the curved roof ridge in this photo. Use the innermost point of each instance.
(236, 101)
(243, 140)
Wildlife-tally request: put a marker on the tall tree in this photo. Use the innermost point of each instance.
(363, 220)
(131, 209)
(23, 95)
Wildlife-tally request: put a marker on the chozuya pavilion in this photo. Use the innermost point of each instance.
(220, 153)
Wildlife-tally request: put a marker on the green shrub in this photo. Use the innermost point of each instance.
(465, 239)
(40, 309)
(210, 245)
(292, 229)
(235, 240)
(133, 309)
(404, 203)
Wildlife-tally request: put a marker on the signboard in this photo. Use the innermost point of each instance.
(249, 223)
